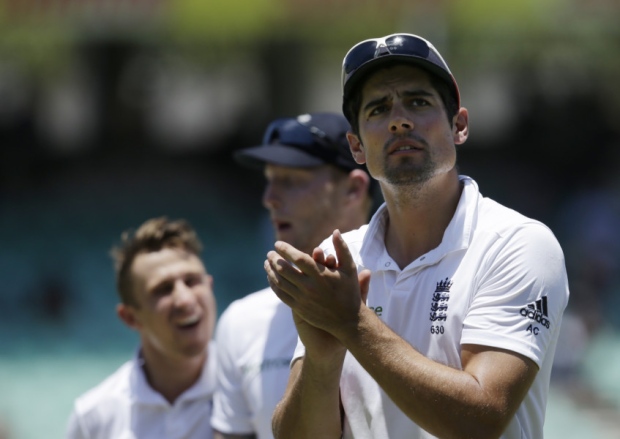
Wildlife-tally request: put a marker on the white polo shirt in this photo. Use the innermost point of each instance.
(256, 338)
(497, 279)
(124, 406)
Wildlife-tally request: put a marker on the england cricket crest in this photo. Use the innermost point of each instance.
(439, 305)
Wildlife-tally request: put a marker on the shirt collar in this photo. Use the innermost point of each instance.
(457, 235)
(143, 393)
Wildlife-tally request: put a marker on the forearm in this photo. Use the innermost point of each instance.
(429, 393)
(311, 406)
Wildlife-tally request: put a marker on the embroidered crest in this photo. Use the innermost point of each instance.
(439, 307)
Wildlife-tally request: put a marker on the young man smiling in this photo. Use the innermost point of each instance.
(462, 282)
(166, 295)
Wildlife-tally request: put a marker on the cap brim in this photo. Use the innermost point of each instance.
(258, 156)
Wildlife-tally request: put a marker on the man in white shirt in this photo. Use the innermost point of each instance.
(438, 319)
(313, 186)
(166, 390)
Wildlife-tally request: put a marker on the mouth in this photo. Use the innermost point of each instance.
(282, 226)
(404, 145)
(406, 148)
(188, 322)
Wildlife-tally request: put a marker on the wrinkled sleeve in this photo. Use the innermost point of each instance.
(231, 413)
(520, 295)
(75, 428)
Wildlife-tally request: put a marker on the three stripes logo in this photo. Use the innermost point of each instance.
(537, 311)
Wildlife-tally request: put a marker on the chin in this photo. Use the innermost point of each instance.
(285, 237)
(195, 351)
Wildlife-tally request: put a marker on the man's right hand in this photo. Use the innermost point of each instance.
(323, 340)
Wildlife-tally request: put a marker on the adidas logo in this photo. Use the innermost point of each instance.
(537, 311)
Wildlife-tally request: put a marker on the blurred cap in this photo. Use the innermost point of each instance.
(304, 141)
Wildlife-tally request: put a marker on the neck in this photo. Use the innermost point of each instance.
(419, 215)
(171, 376)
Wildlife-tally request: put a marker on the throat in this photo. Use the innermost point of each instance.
(418, 217)
(405, 251)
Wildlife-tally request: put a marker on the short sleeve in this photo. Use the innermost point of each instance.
(300, 351)
(521, 294)
(231, 413)
(75, 429)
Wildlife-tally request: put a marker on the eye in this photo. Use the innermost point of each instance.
(193, 280)
(378, 109)
(292, 181)
(419, 102)
(163, 289)
(286, 181)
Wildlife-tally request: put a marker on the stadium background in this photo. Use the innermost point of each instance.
(114, 111)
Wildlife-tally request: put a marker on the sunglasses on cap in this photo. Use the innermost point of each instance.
(327, 143)
(292, 131)
(404, 46)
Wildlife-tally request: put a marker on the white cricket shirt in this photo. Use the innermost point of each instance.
(497, 279)
(124, 406)
(256, 338)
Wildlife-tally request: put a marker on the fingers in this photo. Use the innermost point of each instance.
(331, 262)
(345, 260)
(279, 284)
(318, 256)
(364, 280)
(303, 261)
(328, 261)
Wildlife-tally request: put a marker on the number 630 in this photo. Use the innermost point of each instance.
(436, 329)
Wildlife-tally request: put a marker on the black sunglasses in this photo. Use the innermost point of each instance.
(407, 45)
(295, 132)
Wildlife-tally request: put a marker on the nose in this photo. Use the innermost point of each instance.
(183, 295)
(400, 121)
(270, 197)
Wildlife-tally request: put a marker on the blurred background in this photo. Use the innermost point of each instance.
(115, 111)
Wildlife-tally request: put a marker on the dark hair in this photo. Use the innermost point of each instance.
(354, 102)
(152, 236)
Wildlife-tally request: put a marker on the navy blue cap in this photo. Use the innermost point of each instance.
(370, 54)
(308, 140)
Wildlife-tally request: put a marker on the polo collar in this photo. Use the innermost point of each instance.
(457, 235)
(142, 393)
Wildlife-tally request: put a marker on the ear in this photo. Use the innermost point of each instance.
(358, 184)
(211, 305)
(460, 128)
(209, 280)
(127, 314)
(356, 147)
